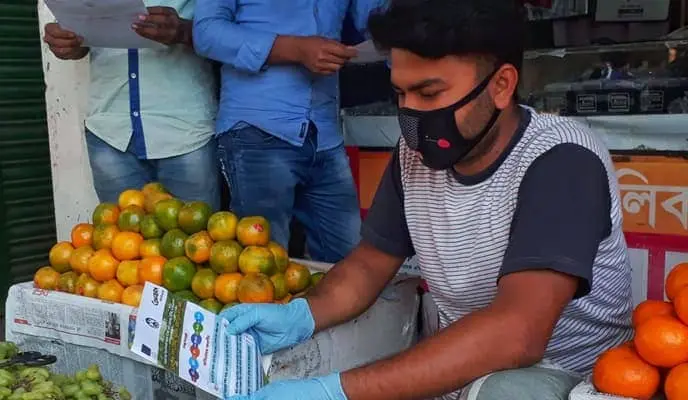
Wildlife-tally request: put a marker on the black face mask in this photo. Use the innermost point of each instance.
(435, 135)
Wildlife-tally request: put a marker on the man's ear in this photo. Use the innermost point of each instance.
(505, 86)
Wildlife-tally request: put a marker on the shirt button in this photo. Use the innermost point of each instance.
(133, 75)
(135, 113)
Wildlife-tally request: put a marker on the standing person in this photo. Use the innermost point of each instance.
(515, 218)
(280, 143)
(151, 111)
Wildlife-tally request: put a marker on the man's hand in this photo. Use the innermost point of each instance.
(274, 326)
(325, 388)
(163, 25)
(64, 44)
(324, 56)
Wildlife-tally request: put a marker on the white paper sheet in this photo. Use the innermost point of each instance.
(102, 23)
(367, 53)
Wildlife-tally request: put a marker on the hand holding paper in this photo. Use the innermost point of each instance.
(64, 44)
(325, 388)
(163, 25)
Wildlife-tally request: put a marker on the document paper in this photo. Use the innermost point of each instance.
(102, 23)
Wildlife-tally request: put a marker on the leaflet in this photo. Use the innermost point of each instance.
(193, 343)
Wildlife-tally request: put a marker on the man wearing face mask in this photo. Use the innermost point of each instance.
(515, 218)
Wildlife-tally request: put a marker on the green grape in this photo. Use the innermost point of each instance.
(103, 396)
(93, 373)
(82, 396)
(91, 388)
(17, 394)
(80, 376)
(71, 389)
(5, 392)
(35, 374)
(124, 394)
(7, 378)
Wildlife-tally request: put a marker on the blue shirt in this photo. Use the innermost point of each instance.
(279, 99)
(162, 101)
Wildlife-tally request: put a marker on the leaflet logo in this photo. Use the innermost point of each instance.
(156, 296)
(152, 323)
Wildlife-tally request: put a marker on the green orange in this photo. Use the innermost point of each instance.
(166, 213)
(150, 248)
(253, 231)
(222, 226)
(256, 288)
(105, 213)
(224, 256)
(103, 235)
(67, 282)
(298, 278)
(280, 283)
(187, 295)
(153, 187)
(79, 259)
(197, 247)
(172, 243)
(149, 228)
(212, 305)
(193, 217)
(317, 277)
(281, 256)
(203, 283)
(152, 199)
(177, 274)
(257, 259)
(87, 286)
(226, 286)
(59, 256)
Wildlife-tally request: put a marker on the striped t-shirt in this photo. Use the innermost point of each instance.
(550, 201)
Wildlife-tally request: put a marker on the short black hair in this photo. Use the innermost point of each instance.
(492, 29)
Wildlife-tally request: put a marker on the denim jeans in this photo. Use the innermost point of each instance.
(191, 176)
(270, 177)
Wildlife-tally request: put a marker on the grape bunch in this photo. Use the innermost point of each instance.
(20, 382)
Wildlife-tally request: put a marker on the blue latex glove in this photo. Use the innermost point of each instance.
(274, 326)
(325, 388)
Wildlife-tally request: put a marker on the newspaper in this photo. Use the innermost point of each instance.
(186, 339)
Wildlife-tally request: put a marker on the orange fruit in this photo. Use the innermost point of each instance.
(79, 259)
(82, 235)
(681, 305)
(131, 197)
(226, 286)
(153, 187)
(203, 283)
(128, 272)
(224, 256)
(621, 372)
(676, 280)
(150, 269)
(651, 308)
(111, 291)
(256, 288)
(67, 282)
(222, 226)
(150, 228)
(130, 219)
(103, 236)
(676, 383)
(46, 278)
(253, 231)
(152, 199)
(105, 213)
(211, 305)
(131, 295)
(150, 248)
(257, 259)
(103, 265)
(177, 274)
(197, 247)
(166, 213)
(298, 278)
(193, 217)
(172, 243)
(87, 286)
(280, 283)
(59, 256)
(126, 245)
(662, 341)
(281, 256)
(316, 278)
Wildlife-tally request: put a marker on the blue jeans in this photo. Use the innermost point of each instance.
(270, 177)
(191, 176)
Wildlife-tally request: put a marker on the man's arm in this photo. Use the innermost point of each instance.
(562, 215)
(352, 285)
(217, 36)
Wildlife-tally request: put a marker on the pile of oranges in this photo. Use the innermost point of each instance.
(656, 360)
(215, 260)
